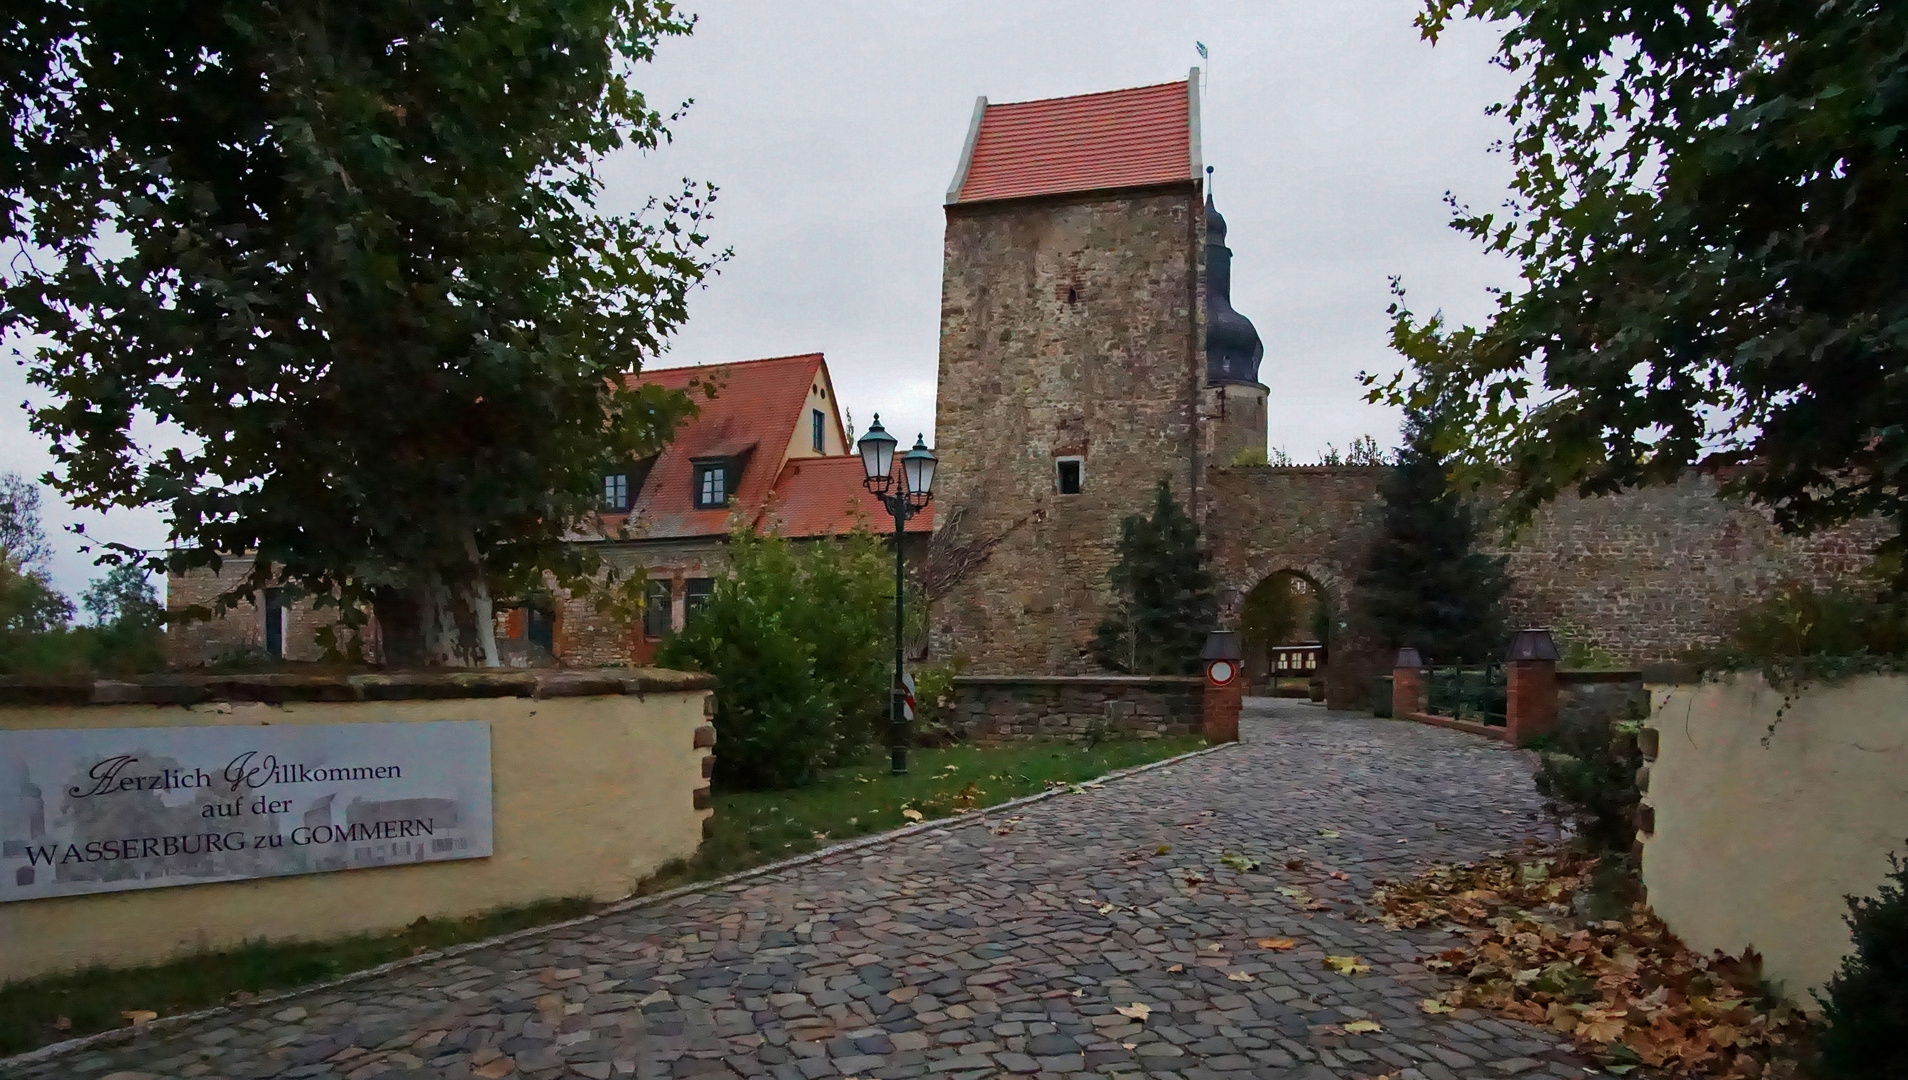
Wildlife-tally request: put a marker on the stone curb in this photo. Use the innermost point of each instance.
(103, 1038)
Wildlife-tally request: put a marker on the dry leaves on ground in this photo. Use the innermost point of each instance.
(1625, 991)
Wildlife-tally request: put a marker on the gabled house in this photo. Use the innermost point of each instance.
(768, 451)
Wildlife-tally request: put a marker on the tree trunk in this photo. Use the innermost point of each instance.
(439, 623)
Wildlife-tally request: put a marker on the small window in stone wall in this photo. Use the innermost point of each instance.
(657, 604)
(695, 593)
(1068, 474)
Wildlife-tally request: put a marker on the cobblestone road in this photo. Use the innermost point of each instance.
(1015, 946)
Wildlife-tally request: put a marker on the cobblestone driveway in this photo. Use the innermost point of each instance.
(970, 951)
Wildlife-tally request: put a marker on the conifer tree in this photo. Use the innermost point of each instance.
(1163, 599)
(1425, 584)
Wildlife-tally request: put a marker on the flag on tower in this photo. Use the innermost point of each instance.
(1201, 46)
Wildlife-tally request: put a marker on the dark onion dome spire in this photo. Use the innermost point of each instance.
(1233, 348)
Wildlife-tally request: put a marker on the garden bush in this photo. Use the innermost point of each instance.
(798, 639)
(1865, 1006)
(1588, 775)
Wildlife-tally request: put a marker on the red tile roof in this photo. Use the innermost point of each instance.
(1121, 138)
(755, 410)
(822, 496)
(754, 414)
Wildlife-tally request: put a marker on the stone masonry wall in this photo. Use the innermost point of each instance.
(1585, 697)
(191, 644)
(1069, 328)
(1034, 707)
(1641, 576)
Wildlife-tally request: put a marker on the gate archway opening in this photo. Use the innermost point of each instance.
(1285, 628)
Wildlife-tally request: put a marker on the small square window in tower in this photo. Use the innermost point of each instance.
(1067, 476)
(712, 485)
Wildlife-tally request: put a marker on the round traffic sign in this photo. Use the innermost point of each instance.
(1222, 672)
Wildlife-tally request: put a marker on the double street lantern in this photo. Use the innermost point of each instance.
(903, 498)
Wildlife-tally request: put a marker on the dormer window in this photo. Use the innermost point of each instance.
(616, 492)
(712, 484)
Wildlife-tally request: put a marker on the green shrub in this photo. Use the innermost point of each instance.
(935, 722)
(1588, 775)
(798, 639)
(1798, 634)
(1865, 1006)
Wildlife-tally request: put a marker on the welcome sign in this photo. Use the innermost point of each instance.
(85, 811)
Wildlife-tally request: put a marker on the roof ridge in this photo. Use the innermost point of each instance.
(732, 363)
(1091, 94)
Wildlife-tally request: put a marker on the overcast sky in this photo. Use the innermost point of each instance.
(834, 127)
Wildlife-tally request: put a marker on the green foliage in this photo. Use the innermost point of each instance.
(1865, 1004)
(1708, 210)
(1798, 635)
(355, 259)
(935, 721)
(1364, 450)
(798, 638)
(1424, 583)
(21, 533)
(1163, 603)
(1588, 774)
(1250, 455)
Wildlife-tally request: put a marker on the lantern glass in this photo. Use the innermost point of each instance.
(918, 466)
(877, 451)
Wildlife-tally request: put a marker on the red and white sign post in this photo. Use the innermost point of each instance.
(1225, 690)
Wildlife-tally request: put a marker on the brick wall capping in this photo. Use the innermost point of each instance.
(1079, 680)
(276, 687)
(1671, 672)
(1577, 678)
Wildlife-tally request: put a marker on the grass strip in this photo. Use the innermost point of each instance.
(748, 830)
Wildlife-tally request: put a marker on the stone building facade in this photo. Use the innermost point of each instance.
(1089, 349)
(766, 450)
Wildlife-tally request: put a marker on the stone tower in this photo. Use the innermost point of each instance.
(1072, 362)
(1233, 401)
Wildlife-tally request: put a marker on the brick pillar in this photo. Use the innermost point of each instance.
(1531, 687)
(1407, 685)
(1219, 711)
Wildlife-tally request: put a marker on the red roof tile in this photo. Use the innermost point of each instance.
(755, 410)
(1121, 138)
(823, 496)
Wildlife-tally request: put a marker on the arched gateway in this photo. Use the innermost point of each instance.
(1089, 349)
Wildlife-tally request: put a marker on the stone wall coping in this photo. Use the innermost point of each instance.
(1079, 680)
(278, 687)
(1671, 672)
(1579, 677)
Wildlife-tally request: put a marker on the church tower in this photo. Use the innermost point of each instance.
(1072, 365)
(1232, 403)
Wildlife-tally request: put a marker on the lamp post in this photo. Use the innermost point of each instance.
(904, 500)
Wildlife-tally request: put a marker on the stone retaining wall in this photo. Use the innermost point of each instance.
(1585, 697)
(1033, 707)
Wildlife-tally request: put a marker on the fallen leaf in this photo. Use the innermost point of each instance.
(1329, 834)
(911, 814)
(1346, 965)
(1435, 1007)
(1339, 875)
(1128, 1046)
(1239, 863)
(1163, 849)
(1293, 891)
(1239, 976)
(1175, 969)
(1105, 909)
(1136, 1011)
(1358, 1027)
(140, 1016)
(1277, 944)
(656, 996)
